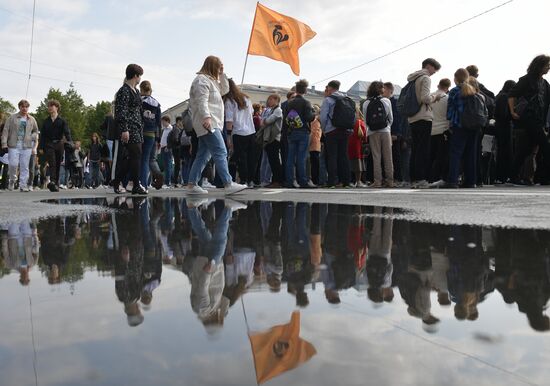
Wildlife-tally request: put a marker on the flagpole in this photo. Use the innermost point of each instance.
(250, 41)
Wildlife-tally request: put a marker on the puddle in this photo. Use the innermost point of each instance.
(207, 292)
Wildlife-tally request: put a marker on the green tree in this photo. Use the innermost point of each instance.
(73, 110)
(96, 116)
(6, 107)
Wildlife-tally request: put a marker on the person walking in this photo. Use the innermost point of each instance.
(94, 159)
(207, 110)
(151, 134)
(17, 141)
(165, 151)
(241, 133)
(55, 132)
(129, 119)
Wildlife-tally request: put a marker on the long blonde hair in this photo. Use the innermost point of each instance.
(462, 80)
(211, 67)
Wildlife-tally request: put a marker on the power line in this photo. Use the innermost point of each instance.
(417, 41)
(77, 82)
(74, 37)
(32, 43)
(96, 74)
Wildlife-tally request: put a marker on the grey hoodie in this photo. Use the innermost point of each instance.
(423, 84)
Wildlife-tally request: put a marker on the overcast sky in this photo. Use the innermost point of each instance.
(91, 42)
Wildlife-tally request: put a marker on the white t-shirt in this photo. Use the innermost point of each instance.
(241, 119)
(164, 138)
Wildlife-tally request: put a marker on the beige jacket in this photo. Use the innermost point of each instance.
(423, 84)
(440, 124)
(9, 134)
(205, 100)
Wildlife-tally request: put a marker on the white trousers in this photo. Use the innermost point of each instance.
(19, 158)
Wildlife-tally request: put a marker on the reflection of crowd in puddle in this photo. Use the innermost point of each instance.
(227, 248)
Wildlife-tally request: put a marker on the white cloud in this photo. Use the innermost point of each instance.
(171, 38)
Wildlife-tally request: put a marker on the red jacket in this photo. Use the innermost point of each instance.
(355, 142)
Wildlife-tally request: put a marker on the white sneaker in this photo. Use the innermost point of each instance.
(361, 184)
(234, 188)
(423, 184)
(11, 186)
(195, 202)
(62, 186)
(296, 184)
(25, 189)
(234, 205)
(207, 185)
(437, 184)
(195, 189)
(165, 187)
(251, 185)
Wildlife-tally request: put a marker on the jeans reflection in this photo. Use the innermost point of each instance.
(379, 264)
(20, 249)
(296, 255)
(207, 273)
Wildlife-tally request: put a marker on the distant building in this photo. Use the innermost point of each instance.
(359, 89)
(260, 93)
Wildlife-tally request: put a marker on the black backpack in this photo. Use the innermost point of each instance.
(408, 104)
(377, 117)
(343, 115)
(475, 112)
(173, 140)
(187, 121)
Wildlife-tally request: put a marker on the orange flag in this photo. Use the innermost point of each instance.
(280, 349)
(278, 37)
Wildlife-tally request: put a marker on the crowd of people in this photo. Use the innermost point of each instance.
(226, 248)
(461, 136)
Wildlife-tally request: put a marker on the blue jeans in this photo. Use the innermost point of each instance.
(211, 146)
(167, 164)
(463, 143)
(298, 143)
(211, 245)
(148, 146)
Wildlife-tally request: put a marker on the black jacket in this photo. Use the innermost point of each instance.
(503, 117)
(108, 128)
(304, 109)
(54, 131)
(536, 92)
(128, 113)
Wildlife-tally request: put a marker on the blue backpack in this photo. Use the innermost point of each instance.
(408, 104)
